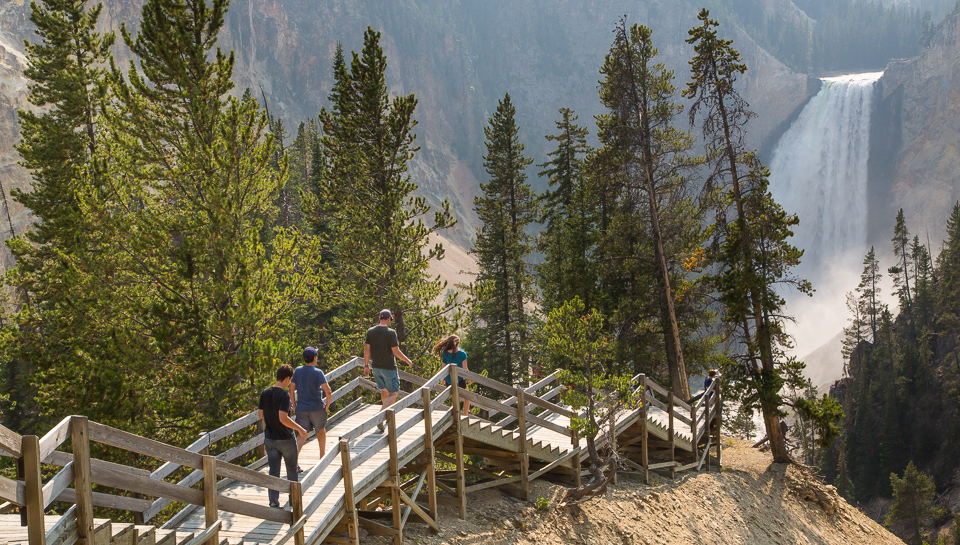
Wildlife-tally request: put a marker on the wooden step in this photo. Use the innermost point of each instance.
(165, 537)
(123, 534)
(184, 538)
(146, 535)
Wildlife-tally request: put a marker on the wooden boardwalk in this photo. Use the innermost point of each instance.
(362, 467)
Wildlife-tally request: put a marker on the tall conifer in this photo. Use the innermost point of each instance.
(58, 258)
(381, 241)
(753, 254)
(504, 287)
(638, 93)
(569, 237)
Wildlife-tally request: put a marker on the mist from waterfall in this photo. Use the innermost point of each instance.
(819, 172)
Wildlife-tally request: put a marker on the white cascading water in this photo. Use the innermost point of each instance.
(819, 172)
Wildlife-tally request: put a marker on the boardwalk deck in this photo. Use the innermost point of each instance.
(535, 442)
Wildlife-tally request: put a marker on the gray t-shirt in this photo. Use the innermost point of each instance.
(382, 339)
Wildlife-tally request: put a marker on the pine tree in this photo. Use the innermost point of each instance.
(60, 142)
(753, 254)
(377, 224)
(948, 285)
(569, 238)
(912, 503)
(504, 285)
(869, 291)
(901, 271)
(204, 283)
(638, 93)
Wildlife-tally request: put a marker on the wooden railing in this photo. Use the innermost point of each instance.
(516, 407)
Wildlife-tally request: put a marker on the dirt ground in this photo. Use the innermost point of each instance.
(750, 502)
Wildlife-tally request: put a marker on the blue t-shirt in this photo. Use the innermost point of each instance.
(309, 380)
(457, 358)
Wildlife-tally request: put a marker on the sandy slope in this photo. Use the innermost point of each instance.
(751, 502)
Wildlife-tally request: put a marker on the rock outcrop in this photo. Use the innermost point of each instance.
(915, 144)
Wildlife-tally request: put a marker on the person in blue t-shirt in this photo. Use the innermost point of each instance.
(448, 348)
(311, 411)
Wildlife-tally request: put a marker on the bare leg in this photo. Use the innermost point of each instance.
(300, 442)
(387, 398)
(466, 407)
(322, 441)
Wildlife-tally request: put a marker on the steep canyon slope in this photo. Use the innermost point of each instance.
(458, 57)
(915, 156)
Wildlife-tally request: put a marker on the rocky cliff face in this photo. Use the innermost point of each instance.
(915, 146)
(458, 57)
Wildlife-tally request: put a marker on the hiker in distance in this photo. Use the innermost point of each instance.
(278, 439)
(448, 348)
(382, 349)
(306, 402)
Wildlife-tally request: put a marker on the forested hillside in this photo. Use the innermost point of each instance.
(901, 391)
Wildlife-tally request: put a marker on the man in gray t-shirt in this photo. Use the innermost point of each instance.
(381, 347)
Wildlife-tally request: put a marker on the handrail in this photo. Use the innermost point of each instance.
(335, 374)
(54, 438)
(12, 491)
(11, 442)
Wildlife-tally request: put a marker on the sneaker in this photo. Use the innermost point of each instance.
(299, 469)
(275, 505)
(380, 427)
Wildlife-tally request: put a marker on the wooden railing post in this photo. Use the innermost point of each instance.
(716, 390)
(394, 476)
(355, 373)
(349, 499)
(693, 431)
(644, 439)
(670, 435)
(210, 510)
(431, 454)
(36, 531)
(706, 424)
(261, 450)
(80, 439)
(458, 446)
(522, 428)
(575, 439)
(296, 504)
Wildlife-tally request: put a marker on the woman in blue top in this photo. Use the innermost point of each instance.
(448, 348)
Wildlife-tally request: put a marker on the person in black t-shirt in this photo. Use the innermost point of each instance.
(278, 438)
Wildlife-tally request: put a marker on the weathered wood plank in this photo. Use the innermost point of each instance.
(141, 445)
(11, 441)
(110, 501)
(229, 429)
(56, 485)
(486, 402)
(486, 381)
(54, 438)
(12, 491)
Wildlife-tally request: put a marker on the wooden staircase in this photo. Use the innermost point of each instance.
(377, 481)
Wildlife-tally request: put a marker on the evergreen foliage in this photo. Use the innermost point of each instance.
(570, 236)
(380, 240)
(912, 505)
(501, 324)
(652, 154)
(58, 259)
(751, 252)
(593, 387)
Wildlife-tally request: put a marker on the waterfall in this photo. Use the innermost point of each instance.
(819, 172)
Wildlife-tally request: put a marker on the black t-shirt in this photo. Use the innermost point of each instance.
(272, 401)
(382, 339)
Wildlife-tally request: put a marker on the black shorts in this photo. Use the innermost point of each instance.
(460, 382)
